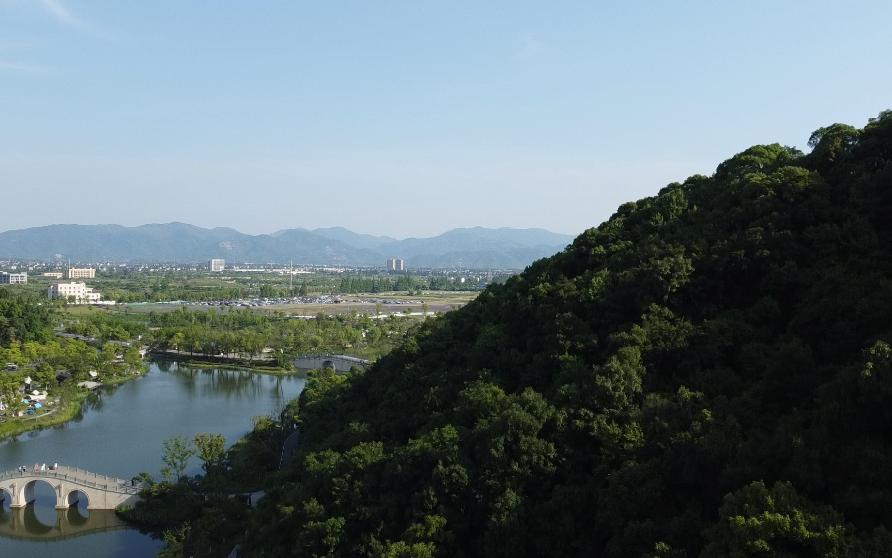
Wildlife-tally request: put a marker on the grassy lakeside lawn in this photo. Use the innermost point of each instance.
(68, 408)
(71, 399)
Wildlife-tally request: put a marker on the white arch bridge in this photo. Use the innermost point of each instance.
(69, 484)
(338, 363)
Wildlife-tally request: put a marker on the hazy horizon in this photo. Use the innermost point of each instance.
(240, 230)
(408, 119)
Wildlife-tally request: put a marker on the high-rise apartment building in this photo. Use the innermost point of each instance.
(217, 264)
(395, 264)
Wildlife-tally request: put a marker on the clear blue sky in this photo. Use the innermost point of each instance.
(408, 118)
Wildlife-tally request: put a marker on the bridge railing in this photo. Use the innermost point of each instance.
(78, 476)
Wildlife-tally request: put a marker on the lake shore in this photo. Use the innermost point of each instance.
(72, 404)
(69, 407)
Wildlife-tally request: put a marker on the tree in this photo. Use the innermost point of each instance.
(211, 450)
(758, 521)
(177, 340)
(176, 454)
(11, 392)
(132, 358)
(106, 358)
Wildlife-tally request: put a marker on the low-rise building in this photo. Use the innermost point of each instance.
(81, 273)
(53, 274)
(13, 278)
(77, 293)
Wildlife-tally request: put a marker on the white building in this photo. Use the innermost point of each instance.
(217, 264)
(81, 273)
(395, 264)
(13, 278)
(78, 293)
(53, 274)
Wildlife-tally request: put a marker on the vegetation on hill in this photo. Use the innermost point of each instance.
(705, 374)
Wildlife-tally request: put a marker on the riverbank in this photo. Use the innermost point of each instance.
(70, 405)
(265, 366)
(68, 409)
(270, 370)
(229, 359)
(74, 398)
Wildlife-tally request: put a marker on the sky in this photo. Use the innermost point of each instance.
(408, 118)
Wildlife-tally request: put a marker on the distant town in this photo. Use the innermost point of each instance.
(218, 283)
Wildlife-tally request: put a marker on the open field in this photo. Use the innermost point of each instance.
(365, 304)
(361, 303)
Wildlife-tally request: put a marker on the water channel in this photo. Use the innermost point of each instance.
(120, 433)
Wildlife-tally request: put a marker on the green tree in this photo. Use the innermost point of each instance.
(175, 455)
(211, 449)
(758, 521)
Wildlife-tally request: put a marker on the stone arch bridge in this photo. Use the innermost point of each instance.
(340, 363)
(70, 485)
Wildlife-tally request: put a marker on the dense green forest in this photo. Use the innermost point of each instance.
(708, 373)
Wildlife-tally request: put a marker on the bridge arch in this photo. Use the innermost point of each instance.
(27, 490)
(5, 498)
(75, 497)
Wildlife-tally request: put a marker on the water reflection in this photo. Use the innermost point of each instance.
(26, 524)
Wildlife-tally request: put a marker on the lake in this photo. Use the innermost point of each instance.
(120, 433)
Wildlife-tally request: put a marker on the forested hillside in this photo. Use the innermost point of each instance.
(708, 373)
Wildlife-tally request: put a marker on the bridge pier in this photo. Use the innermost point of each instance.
(65, 498)
(20, 496)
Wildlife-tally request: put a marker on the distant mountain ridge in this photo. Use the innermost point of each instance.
(475, 247)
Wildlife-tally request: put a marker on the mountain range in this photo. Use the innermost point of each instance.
(475, 247)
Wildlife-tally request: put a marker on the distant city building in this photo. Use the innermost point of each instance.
(53, 274)
(395, 264)
(13, 278)
(217, 264)
(81, 273)
(78, 293)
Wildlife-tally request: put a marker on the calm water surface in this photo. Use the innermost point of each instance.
(120, 433)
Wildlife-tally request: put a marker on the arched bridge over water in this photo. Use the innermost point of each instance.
(339, 363)
(70, 485)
